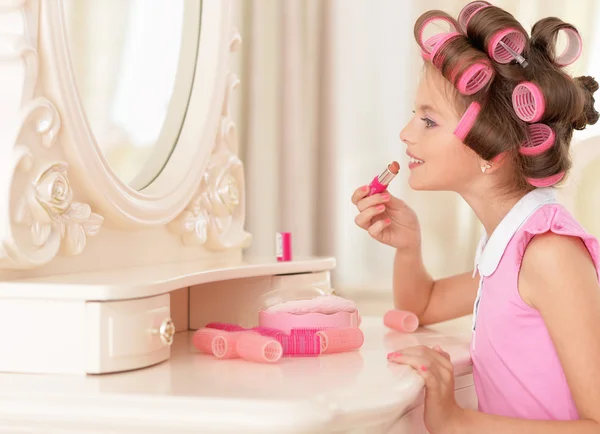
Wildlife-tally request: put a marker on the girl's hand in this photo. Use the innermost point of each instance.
(387, 219)
(442, 413)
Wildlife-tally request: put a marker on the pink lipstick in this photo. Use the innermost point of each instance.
(380, 183)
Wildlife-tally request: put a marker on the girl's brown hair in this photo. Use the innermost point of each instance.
(569, 102)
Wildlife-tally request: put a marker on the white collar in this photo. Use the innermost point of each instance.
(489, 252)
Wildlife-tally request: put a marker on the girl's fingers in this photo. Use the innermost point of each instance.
(376, 228)
(422, 350)
(424, 367)
(442, 352)
(359, 193)
(373, 200)
(363, 219)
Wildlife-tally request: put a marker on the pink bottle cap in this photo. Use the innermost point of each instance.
(401, 321)
(257, 348)
(284, 246)
(341, 340)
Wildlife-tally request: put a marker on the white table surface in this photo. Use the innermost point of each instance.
(195, 392)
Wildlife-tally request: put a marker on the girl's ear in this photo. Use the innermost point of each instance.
(492, 165)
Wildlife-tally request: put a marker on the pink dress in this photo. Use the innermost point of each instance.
(517, 372)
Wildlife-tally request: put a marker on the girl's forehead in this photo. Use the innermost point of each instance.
(435, 91)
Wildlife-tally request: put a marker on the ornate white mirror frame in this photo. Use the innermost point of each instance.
(88, 265)
(59, 189)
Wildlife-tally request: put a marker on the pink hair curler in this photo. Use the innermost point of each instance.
(428, 44)
(541, 138)
(573, 49)
(341, 340)
(475, 78)
(467, 121)
(257, 348)
(220, 343)
(469, 11)
(302, 342)
(225, 326)
(506, 45)
(546, 182)
(436, 56)
(528, 102)
(401, 320)
(299, 342)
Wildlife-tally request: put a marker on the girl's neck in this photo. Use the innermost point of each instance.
(490, 208)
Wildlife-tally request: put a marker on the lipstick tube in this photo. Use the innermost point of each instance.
(381, 182)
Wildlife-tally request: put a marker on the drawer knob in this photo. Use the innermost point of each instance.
(167, 331)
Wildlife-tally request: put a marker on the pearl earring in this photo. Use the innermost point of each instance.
(484, 168)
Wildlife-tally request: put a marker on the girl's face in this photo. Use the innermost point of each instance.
(445, 163)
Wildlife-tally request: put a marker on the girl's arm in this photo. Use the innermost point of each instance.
(559, 279)
(431, 300)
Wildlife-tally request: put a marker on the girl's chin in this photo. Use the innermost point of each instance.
(423, 183)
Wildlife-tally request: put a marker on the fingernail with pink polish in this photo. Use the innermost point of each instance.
(385, 196)
(380, 207)
(423, 368)
(393, 355)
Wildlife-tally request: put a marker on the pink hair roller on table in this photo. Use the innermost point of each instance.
(219, 343)
(257, 348)
(341, 340)
(298, 342)
(401, 320)
(237, 344)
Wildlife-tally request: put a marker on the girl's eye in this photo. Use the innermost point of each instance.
(428, 123)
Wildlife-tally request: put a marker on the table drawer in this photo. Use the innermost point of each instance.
(128, 334)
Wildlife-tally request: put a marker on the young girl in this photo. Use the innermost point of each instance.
(494, 116)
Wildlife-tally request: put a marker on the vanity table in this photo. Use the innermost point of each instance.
(122, 210)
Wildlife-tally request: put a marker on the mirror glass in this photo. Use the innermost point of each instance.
(134, 63)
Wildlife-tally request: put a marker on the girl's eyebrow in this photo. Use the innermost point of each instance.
(426, 107)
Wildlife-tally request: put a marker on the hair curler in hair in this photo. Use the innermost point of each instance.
(472, 79)
(467, 121)
(541, 138)
(469, 11)
(437, 19)
(436, 54)
(573, 49)
(507, 45)
(546, 182)
(528, 102)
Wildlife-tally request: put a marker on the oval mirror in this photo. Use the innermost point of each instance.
(134, 63)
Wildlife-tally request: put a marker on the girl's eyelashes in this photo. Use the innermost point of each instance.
(428, 122)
